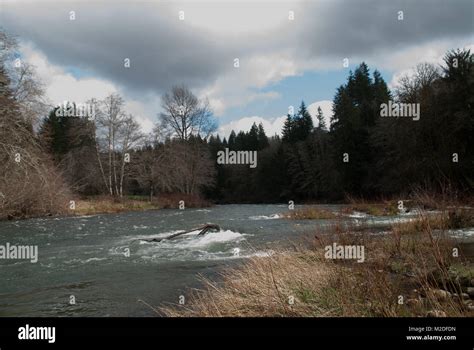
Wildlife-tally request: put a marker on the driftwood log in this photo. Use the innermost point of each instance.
(203, 230)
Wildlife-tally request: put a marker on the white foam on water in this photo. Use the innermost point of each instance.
(465, 232)
(48, 266)
(135, 227)
(265, 217)
(79, 217)
(358, 214)
(148, 237)
(203, 255)
(93, 259)
(220, 245)
(84, 261)
(79, 235)
(210, 238)
(232, 256)
(393, 220)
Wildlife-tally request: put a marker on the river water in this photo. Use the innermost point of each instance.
(103, 263)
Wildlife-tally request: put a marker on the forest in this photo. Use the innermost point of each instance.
(49, 156)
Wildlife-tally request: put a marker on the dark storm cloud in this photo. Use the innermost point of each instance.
(162, 50)
(165, 51)
(365, 26)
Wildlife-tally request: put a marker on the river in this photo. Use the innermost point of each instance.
(102, 263)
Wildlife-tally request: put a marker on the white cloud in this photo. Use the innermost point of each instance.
(62, 86)
(271, 126)
(237, 87)
(142, 113)
(274, 126)
(326, 107)
(403, 62)
(225, 17)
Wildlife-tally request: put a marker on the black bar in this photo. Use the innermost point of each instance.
(120, 331)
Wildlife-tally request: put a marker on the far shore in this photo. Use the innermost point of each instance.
(104, 204)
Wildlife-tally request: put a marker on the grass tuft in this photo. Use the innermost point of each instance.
(310, 213)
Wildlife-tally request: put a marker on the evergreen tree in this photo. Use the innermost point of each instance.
(241, 141)
(321, 120)
(304, 123)
(287, 132)
(262, 137)
(231, 142)
(252, 138)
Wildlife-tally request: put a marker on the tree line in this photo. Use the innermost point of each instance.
(361, 154)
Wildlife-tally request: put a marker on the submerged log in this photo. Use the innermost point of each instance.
(209, 227)
(203, 230)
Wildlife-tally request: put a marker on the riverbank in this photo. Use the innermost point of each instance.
(383, 207)
(92, 205)
(413, 269)
(107, 204)
(103, 204)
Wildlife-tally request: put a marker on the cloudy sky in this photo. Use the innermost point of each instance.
(281, 61)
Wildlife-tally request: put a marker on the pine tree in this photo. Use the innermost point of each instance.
(262, 137)
(321, 120)
(299, 127)
(304, 123)
(287, 132)
(231, 141)
(252, 138)
(241, 141)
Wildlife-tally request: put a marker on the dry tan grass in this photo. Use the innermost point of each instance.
(310, 213)
(107, 204)
(451, 219)
(271, 286)
(448, 197)
(381, 208)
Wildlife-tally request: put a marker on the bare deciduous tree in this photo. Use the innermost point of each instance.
(130, 135)
(185, 167)
(29, 183)
(185, 115)
(116, 133)
(411, 85)
(145, 167)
